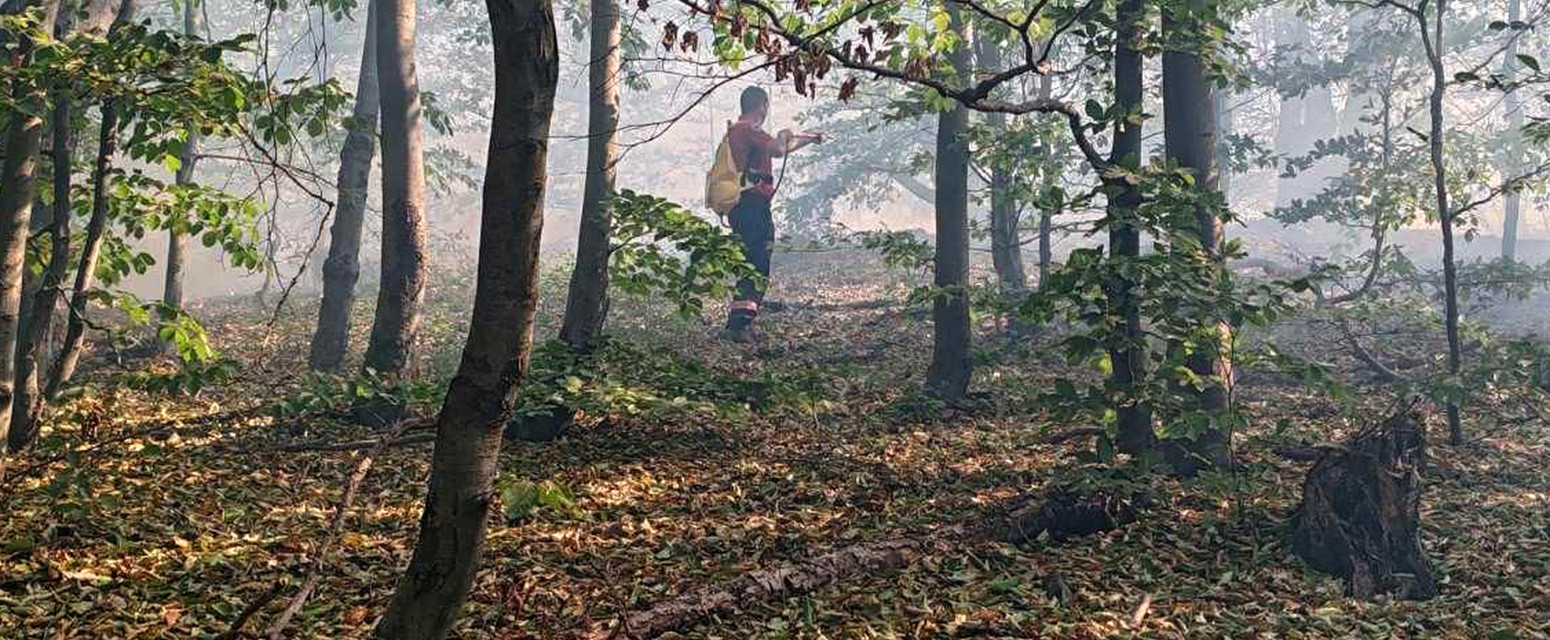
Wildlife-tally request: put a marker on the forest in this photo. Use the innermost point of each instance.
(769, 319)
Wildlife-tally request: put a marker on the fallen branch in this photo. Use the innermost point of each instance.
(235, 630)
(1073, 434)
(320, 560)
(688, 609)
(1141, 610)
(1061, 514)
(1384, 373)
(1305, 454)
(352, 445)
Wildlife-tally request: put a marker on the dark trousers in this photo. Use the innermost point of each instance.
(754, 225)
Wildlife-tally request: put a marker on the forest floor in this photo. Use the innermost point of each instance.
(156, 516)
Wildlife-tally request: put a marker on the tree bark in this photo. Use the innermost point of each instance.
(399, 300)
(1129, 355)
(39, 318)
(18, 175)
(1512, 156)
(1006, 249)
(172, 285)
(500, 339)
(1046, 217)
(75, 328)
(1189, 122)
(1360, 516)
(1303, 120)
(951, 366)
(69, 354)
(342, 268)
(1434, 52)
(586, 308)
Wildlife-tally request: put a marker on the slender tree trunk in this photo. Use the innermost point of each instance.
(951, 365)
(1006, 249)
(586, 308)
(38, 320)
(18, 175)
(1129, 356)
(1434, 54)
(1222, 106)
(40, 315)
(1512, 155)
(403, 193)
(343, 267)
(75, 329)
(1290, 139)
(495, 359)
(172, 286)
(1189, 126)
(1046, 217)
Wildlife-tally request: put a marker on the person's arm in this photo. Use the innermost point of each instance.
(780, 145)
(787, 142)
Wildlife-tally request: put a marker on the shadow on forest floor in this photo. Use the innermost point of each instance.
(174, 535)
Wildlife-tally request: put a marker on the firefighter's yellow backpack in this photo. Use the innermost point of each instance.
(724, 181)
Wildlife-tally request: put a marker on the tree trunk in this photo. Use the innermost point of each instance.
(39, 318)
(1290, 140)
(586, 308)
(1189, 126)
(1512, 153)
(500, 339)
(38, 321)
(172, 286)
(403, 193)
(343, 267)
(18, 175)
(1006, 249)
(1129, 354)
(1046, 217)
(1434, 53)
(75, 329)
(1221, 104)
(951, 366)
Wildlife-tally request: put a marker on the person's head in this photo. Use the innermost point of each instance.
(755, 103)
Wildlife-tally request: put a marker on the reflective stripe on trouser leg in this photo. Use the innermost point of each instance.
(741, 314)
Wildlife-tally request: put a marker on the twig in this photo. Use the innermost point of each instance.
(1141, 610)
(319, 561)
(352, 445)
(242, 619)
(1074, 434)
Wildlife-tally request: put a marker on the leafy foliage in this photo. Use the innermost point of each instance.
(665, 249)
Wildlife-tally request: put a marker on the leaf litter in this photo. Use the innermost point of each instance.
(184, 513)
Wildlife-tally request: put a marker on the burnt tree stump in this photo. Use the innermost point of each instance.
(1360, 513)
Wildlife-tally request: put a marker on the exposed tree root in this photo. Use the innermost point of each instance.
(1062, 514)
